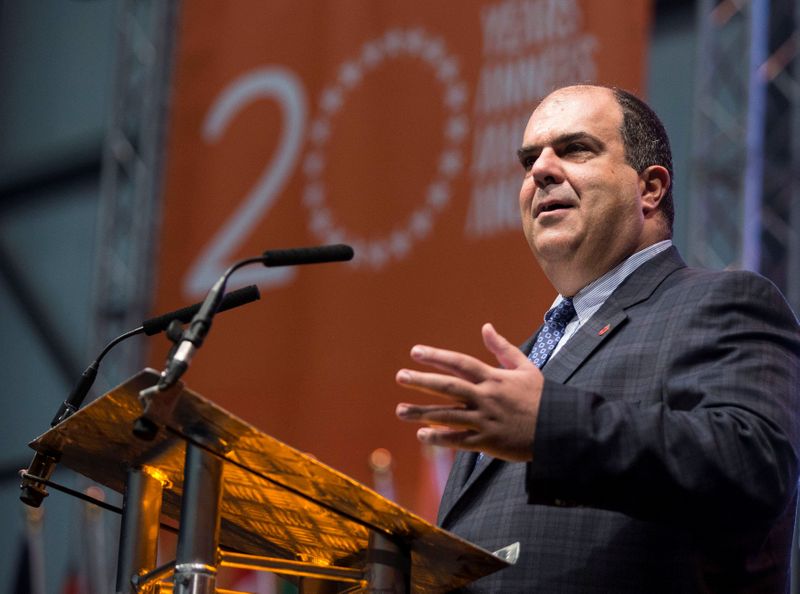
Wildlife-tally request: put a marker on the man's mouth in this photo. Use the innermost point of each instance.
(552, 205)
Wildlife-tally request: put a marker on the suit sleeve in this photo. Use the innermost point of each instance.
(722, 436)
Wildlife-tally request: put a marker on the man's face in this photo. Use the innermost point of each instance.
(580, 201)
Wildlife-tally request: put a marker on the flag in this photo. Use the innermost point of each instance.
(72, 581)
(436, 463)
(30, 578)
(22, 578)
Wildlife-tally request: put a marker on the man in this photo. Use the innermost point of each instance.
(657, 449)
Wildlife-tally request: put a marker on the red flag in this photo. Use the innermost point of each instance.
(72, 581)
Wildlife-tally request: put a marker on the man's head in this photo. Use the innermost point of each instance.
(590, 197)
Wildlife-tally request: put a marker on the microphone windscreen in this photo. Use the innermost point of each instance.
(308, 255)
(185, 314)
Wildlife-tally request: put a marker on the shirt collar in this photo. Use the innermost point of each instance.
(589, 299)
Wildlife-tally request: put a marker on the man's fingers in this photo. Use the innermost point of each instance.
(438, 436)
(438, 384)
(461, 365)
(453, 417)
(487, 409)
(508, 355)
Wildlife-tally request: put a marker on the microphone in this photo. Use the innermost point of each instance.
(149, 327)
(201, 323)
(184, 315)
(308, 255)
(43, 464)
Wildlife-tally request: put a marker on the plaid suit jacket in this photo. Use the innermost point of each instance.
(665, 456)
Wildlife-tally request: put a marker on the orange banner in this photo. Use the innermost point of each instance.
(391, 126)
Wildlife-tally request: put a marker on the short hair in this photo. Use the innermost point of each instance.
(646, 143)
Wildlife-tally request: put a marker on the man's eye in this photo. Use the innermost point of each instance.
(577, 148)
(528, 162)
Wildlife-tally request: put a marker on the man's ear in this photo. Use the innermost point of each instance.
(654, 182)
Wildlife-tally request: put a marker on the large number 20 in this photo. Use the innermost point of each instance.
(286, 89)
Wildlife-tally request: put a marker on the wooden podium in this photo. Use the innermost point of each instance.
(242, 498)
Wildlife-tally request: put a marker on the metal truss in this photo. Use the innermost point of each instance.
(745, 196)
(131, 181)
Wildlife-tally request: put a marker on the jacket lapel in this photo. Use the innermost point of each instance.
(459, 474)
(585, 341)
(467, 469)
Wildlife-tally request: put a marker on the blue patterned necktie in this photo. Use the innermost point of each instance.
(555, 322)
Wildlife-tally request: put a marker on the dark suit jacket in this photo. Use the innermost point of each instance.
(665, 456)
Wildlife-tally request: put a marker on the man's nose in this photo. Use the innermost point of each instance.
(547, 169)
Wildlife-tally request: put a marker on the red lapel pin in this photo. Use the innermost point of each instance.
(604, 329)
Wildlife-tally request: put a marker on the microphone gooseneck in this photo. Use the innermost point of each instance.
(201, 322)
